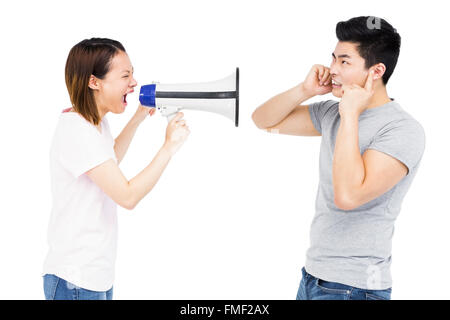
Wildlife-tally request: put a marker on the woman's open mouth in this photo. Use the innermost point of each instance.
(124, 100)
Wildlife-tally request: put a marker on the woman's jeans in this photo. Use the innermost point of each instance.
(312, 288)
(56, 288)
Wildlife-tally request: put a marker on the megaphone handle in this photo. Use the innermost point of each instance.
(171, 116)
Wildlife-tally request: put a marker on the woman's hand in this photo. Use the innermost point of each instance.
(142, 112)
(176, 134)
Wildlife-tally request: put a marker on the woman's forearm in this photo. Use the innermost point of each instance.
(122, 142)
(144, 182)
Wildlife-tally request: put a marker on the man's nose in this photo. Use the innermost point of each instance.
(333, 70)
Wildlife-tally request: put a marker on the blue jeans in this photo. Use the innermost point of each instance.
(56, 288)
(312, 288)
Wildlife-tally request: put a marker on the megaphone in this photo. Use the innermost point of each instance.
(221, 96)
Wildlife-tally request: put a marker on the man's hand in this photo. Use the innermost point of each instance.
(318, 81)
(355, 99)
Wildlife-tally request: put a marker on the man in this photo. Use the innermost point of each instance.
(370, 152)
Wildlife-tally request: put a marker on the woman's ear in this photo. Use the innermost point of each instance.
(93, 83)
(378, 70)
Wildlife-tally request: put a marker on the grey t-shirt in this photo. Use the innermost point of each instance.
(353, 247)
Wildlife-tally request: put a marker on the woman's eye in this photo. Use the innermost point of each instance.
(344, 62)
(125, 77)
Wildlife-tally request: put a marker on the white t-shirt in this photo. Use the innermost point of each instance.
(82, 232)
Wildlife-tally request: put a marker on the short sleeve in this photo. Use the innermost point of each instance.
(318, 111)
(81, 148)
(403, 140)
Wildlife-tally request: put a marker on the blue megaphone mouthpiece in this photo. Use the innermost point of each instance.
(147, 95)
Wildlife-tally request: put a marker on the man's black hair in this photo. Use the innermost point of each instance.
(377, 41)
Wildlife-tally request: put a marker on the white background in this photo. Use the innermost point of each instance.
(230, 217)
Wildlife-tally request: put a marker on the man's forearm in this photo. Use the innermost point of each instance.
(279, 107)
(348, 165)
(123, 141)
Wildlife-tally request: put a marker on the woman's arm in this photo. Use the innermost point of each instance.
(122, 142)
(126, 193)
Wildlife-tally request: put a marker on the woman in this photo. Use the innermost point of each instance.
(87, 183)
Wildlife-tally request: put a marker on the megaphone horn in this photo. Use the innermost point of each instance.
(221, 96)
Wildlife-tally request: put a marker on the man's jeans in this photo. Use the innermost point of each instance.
(312, 288)
(56, 288)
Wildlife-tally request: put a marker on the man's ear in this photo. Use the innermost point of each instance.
(93, 83)
(378, 70)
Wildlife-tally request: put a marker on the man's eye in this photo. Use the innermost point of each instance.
(125, 77)
(344, 62)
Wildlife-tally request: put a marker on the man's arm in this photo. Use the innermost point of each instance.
(284, 114)
(359, 179)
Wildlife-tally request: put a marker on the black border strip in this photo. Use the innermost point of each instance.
(195, 95)
(236, 123)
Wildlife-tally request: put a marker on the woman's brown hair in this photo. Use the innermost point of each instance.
(89, 57)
